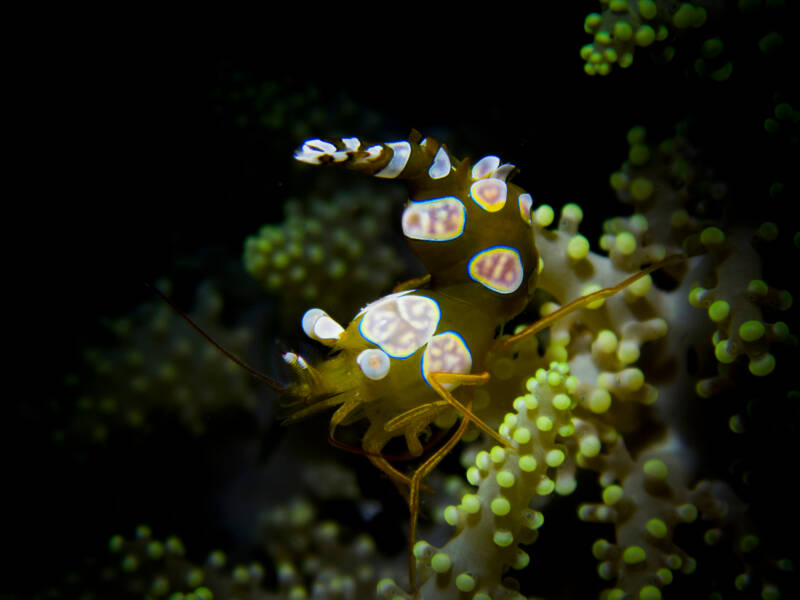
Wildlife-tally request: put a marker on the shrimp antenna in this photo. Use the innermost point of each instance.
(257, 374)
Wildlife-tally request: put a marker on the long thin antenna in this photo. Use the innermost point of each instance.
(257, 374)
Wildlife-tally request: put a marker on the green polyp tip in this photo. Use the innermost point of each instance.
(130, 563)
(712, 536)
(719, 310)
(545, 486)
(155, 550)
(628, 351)
(785, 300)
(648, 8)
(780, 330)
(143, 532)
(533, 519)
(616, 593)
(497, 454)
(465, 582)
(689, 15)
(602, 37)
(561, 401)
(762, 365)
(603, 68)
(500, 506)
(674, 561)
(722, 354)
(639, 154)
(578, 247)
(696, 296)
(606, 341)
(650, 592)
(626, 243)
(554, 458)
(751, 331)
(634, 554)
(679, 218)
(687, 512)
(664, 576)
(655, 468)
(115, 543)
(612, 494)
(194, 577)
(600, 548)
(505, 479)
(770, 592)
(748, 543)
(421, 549)
(771, 125)
(618, 6)
(657, 528)
(712, 235)
(641, 187)
(640, 287)
(626, 60)
(527, 463)
(554, 378)
(174, 546)
(241, 575)
(770, 42)
(522, 435)
(768, 231)
(473, 475)
(590, 446)
(572, 212)
(736, 424)
(704, 388)
(636, 134)
(385, 585)
(471, 503)
(521, 560)
(203, 593)
(441, 563)
(544, 215)
(451, 515)
(566, 430)
(784, 111)
(618, 180)
(712, 47)
(623, 31)
(599, 401)
(592, 21)
(758, 287)
(645, 35)
(610, 55)
(503, 538)
(723, 73)
(544, 423)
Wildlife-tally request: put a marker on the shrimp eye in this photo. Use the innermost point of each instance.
(374, 363)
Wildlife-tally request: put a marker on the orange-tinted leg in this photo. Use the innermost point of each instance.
(437, 379)
(413, 495)
(545, 322)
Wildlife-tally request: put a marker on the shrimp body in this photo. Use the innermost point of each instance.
(472, 230)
